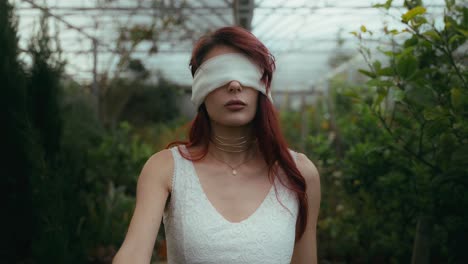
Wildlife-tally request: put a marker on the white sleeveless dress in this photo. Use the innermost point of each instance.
(197, 233)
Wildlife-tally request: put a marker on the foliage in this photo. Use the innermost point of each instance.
(334, 126)
(138, 102)
(44, 90)
(420, 100)
(392, 153)
(353, 224)
(51, 191)
(103, 165)
(99, 170)
(70, 181)
(119, 157)
(152, 103)
(20, 159)
(337, 237)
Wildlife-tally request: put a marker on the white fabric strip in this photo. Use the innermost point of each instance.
(222, 69)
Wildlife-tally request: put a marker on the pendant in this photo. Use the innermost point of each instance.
(234, 172)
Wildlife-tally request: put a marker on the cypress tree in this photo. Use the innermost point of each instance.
(53, 226)
(18, 144)
(43, 91)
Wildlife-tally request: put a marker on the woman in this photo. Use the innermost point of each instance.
(234, 193)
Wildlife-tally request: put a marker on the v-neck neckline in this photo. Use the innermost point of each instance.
(215, 210)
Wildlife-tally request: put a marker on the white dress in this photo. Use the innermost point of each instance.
(197, 233)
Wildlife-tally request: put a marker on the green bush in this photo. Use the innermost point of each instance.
(392, 153)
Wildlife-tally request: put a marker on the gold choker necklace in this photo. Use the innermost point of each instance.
(233, 145)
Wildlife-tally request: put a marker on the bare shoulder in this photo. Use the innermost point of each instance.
(308, 169)
(158, 169)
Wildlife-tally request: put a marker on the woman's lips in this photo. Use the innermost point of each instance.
(235, 105)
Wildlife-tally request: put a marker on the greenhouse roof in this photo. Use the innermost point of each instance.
(302, 35)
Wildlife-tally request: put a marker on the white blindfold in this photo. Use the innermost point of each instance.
(222, 69)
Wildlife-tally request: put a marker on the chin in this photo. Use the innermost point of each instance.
(235, 122)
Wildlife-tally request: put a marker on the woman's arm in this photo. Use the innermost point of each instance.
(305, 250)
(152, 191)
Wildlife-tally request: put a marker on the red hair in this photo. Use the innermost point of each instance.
(271, 141)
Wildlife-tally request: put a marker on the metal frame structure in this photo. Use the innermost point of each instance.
(286, 27)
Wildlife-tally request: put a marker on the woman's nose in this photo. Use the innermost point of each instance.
(234, 86)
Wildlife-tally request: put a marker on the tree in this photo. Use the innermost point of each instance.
(18, 145)
(421, 102)
(55, 207)
(44, 90)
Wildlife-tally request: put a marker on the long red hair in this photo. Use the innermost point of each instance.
(271, 141)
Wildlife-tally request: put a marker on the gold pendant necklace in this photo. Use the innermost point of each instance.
(234, 169)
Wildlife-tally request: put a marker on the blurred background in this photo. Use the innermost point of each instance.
(374, 92)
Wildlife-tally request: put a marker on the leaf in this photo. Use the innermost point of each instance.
(387, 71)
(436, 127)
(464, 32)
(450, 3)
(398, 95)
(455, 38)
(449, 22)
(458, 97)
(379, 83)
(407, 66)
(379, 99)
(421, 96)
(382, 91)
(411, 42)
(377, 65)
(363, 28)
(386, 5)
(387, 53)
(431, 114)
(433, 34)
(367, 73)
(418, 21)
(419, 10)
